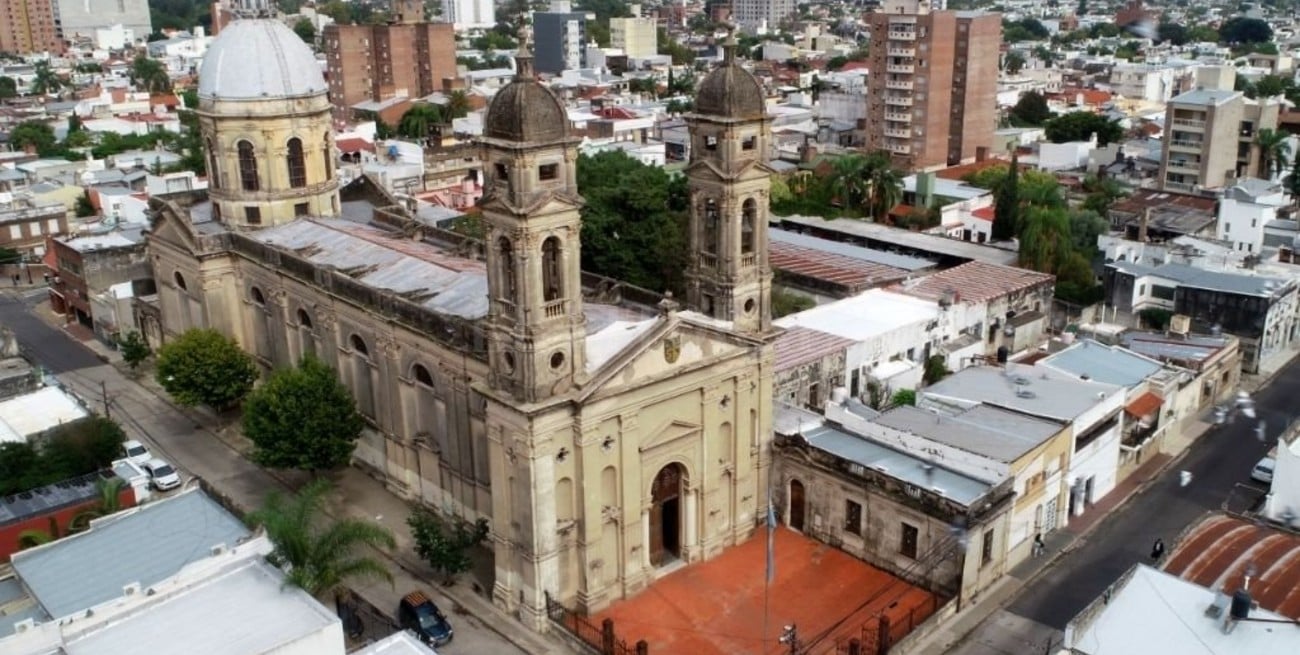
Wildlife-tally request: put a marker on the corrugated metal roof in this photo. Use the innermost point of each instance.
(977, 282)
(1190, 350)
(1109, 364)
(1034, 390)
(144, 546)
(890, 259)
(1191, 276)
(913, 470)
(995, 433)
(919, 241)
(1218, 551)
(799, 345)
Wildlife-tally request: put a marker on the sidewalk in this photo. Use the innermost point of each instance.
(186, 437)
(1059, 544)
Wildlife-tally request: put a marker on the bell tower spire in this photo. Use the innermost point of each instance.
(728, 276)
(537, 339)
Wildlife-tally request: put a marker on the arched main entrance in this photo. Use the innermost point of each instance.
(796, 505)
(666, 515)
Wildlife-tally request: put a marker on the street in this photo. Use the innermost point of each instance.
(182, 439)
(1220, 464)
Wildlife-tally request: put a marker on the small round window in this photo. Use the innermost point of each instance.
(557, 360)
(749, 306)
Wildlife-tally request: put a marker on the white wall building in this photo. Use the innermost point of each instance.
(759, 16)
(1246, 208)
(469, 14)
(1282, 504)
(636, 36)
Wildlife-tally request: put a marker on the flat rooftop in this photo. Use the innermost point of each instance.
(913, 469)
(33, 413)
(984, 430)
(911, 243)
(869, 314)
(717, 607)
(1088, 359)
(1188, 351)
(1032, 390)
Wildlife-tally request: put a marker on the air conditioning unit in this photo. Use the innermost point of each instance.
(1180, 324)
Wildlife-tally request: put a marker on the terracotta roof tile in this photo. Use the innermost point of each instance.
(977, 282)
(1145, 405)
(1218, 552)
(855, 274)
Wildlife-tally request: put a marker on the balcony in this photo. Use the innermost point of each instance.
(1186, 166)
(898, 84)
(898, 101)
(1189, 123)
(901, 52)
(907, 69)
(900, 35)
(898, 118)
(555, 308)
(897, 134)
(1178, 186)
(898, 148)
(1183, 144)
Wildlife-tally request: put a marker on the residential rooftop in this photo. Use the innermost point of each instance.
(33, 413)
(1033, 390)
(984, 430)
(1220, 549)
(399, 643)
(797, 346)
(1190, 276)
(1090, 360)
(1189, 351)
(977, 282)
(914, 243)
(871, 313)
(66, 493)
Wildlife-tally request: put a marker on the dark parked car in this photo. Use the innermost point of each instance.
(418, 614)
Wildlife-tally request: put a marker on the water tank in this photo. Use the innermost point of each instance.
(1241, 603)
(1004, 353)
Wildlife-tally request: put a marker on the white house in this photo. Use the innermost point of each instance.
(1246, 209)
(1282, 504)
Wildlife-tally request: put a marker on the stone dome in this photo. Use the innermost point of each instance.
(525, 111)
(730, 91)
(259, 60)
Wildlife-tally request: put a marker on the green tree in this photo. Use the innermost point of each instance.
(109, 490)
(1102, 192)
(848, 180)
(79, 447)
(85, 207)
(134, 349)
(1085, 226)
(319, 555)
(8, 87)
(150, 75)
(1274, 151)
(418, 121)
(1203, 34)
(1013, 62)
(1030, 110)
(884, 185)
(633, 209)
(1293, 180)
(305, 30)
(45, 80)
(445, 544)
(785, 302)
(339, 10)
(303, 418)
(205, 367)
(903, 397)
(33, 133)
(1006, 207)
(457, 104)
(680, 54)
(936, 368)
(1080, 126)
(1171, 32)
(1242, 30)
(1028, 29)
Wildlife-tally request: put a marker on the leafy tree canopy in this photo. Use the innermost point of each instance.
(8, 87)
(33, 133)
(305, 30)
(302, 418)
(1031, 110)
(205, 367)
(72, 449)
(1080, 126)
(445, 543)
(1027, 29)
(1242, 30)
(134, 348)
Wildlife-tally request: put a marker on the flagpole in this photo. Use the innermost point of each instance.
(771, 564)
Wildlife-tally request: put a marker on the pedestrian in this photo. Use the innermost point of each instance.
(16, 280)
(1039, 546)
(1158, 549)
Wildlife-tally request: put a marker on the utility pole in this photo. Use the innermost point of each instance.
(103, 392)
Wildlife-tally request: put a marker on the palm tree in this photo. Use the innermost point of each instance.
(1274, 151)
(457, 104)
(884, 186)
(110, 501)
(44, 79)
(849, 180)
(319, 556)
(419, 121)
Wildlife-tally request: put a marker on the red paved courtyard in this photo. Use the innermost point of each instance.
(717, 606)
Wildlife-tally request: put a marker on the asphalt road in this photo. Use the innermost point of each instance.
(54, 350)
(1219, 462)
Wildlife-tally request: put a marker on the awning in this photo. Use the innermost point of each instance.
(1145, 405)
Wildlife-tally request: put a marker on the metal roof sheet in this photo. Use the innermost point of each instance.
(977, 281)
(1220, 549)
(1109, 364)
(871, 255)
(799, 345)
(995, 433)
(1033, 390)
(908, 468)
(144, 545)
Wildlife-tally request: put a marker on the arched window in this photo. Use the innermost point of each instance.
(180, 280)
(213, 174)
(748, 217)
(256, 294)
(297, 164)
(261, 325)
(304, 319)
(359, 346)
(506, 261)
(248, 167)
(552, 281)
(306, 338)
(711, 220)
(421, 375)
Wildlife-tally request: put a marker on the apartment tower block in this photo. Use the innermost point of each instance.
(932, 92)
(29, 27)
(408, 58)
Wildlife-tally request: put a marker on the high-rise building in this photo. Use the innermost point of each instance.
(409, 58)
(933, 87)
(561, 37)
(80, 18)
(636, 36)
(30, 26)
(469, 14)
(753, 15)
(1210, 133)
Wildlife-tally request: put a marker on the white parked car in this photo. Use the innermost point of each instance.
(1263, 471)
(136, 452)
(161, 475)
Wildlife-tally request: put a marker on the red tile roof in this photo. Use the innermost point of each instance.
(977, 282)
(958, 172)
(1145, 405)
(799, 345)
(1092, 97)
(1218, 551)
(984, 213)
(854, 274)
(355, 144)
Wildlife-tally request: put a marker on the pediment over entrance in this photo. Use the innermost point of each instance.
(671, 433)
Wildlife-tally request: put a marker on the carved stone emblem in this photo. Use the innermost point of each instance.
(672, 349)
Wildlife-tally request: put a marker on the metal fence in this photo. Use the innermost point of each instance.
(881, 631)
(598, 640)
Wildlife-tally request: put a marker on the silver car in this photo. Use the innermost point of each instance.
(161, 475)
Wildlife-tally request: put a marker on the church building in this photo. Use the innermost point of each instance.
(604, 440)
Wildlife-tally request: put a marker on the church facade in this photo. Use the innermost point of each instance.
(603, 440)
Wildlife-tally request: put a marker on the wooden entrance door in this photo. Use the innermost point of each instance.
(796, 505)
(665, 515)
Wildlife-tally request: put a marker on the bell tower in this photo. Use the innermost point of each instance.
(728, 276)
(537, 340)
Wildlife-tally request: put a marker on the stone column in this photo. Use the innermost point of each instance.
(691, 542)
(645, 537)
